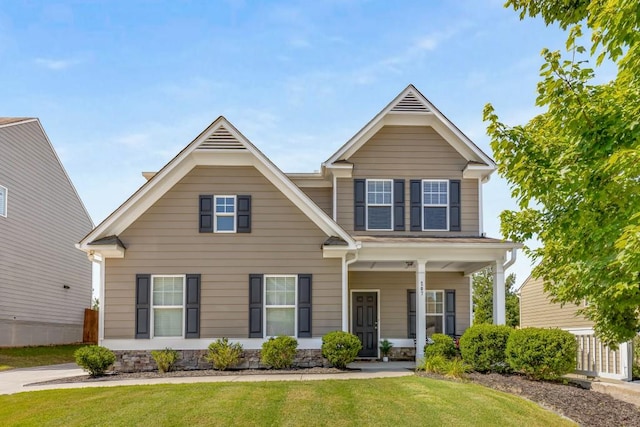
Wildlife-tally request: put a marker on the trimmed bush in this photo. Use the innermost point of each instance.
(442, 345)
(165, 359)
(340, 348)
(542, 354)
(438, 364)
(278, 353)
(484, 347)
(224, 354)
(94, 359)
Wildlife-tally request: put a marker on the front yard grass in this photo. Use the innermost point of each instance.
(27, 357)
(385, 402)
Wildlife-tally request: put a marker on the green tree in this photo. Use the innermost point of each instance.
(575, 168)
(483, 299)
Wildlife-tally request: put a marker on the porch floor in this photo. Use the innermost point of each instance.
(377, 366)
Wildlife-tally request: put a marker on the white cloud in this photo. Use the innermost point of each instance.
(56, 64)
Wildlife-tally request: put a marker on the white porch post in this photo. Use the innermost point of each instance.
(499, 317)
(345, 294)
(421, 309)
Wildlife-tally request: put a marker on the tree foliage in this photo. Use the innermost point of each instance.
(575, 169)
(483, 299)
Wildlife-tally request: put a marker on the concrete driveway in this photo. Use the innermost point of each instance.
(13, 381)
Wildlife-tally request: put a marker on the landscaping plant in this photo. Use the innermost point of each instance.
(484, 347)
(636, 358)
(94, 359)
(385, 347)
(542, 354)
(224, 354)
(165, 359)
(279, 352)
(442, 345)
(340, 348)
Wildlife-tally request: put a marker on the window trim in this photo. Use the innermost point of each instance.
(152, 306)
(367, 204)
(217, 214)
(435, 205)
(3, 212)
(266, 306)
(442, 315)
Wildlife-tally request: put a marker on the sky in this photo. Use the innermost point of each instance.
(121, 87)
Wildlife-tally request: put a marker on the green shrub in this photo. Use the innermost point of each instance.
(456, 368)
(94, 359)
(278, 353)
(542, 353)
(165, 359)
(224, 354)
(432, 365)
(442, 345)
(340, 348)
(484, 347)
(636, 358)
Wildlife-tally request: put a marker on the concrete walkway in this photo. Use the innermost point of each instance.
(17, 380)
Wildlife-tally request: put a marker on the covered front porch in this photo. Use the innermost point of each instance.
(406, 289)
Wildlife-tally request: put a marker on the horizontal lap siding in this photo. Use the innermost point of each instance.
(411, 152)
(322, 196)
(37, 239)
(538, 311)
(393, 288)
(165, 240)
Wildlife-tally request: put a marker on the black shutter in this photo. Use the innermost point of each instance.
(143, 305)
(244, 214)
(454, 205)
(416, 205)
(255, 305)
(398, 204)
(304, 305)
(450, 312)
(359, 204)
(411, 314)
(192, 309)
(206, 213)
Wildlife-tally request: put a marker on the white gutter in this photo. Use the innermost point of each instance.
(514, 252)
(345, 291)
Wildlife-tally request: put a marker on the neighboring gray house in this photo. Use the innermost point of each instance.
(45, 283)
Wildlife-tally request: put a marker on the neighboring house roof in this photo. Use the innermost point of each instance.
(411, 107)
(219, 144)
(16, 121)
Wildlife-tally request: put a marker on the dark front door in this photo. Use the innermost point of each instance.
(365, 322)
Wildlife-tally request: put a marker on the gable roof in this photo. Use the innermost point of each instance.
(6, 121)
(219, 144)
(410, 107)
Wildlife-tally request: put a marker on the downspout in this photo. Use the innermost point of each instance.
(512, 259)
(345, 290)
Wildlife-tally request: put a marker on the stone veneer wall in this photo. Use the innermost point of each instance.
(402, 353)
(141, 360)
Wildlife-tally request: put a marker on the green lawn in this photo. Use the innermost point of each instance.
(381, 402)
(26, 357)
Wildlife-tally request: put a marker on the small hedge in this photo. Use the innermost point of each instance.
(94, 359)
(165, 359)
(542, 354)
(340, 348)
(484, 347)
(442, 345)
(223, 354)
(278, 353)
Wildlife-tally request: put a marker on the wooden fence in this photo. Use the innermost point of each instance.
(595, 359)
(90, 330)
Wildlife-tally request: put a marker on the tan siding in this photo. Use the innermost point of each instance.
(37, 239)
(537, 310)
(322, 196)
(165, 240)
(409, 152)
(393, 287)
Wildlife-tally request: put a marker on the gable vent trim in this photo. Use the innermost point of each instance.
(221, 139)
(410, 103)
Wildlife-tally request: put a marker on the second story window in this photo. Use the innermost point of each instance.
(435, 202)
(379, 204)
(3, 201)
(225, 214)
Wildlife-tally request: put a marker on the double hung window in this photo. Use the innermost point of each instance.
(435, 203)
(280, 305)
(379, 204)
(225, 214)
(167, 296)
(435, 312)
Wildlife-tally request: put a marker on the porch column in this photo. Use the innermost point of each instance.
(345, 294)
(421, 309)
(499, 317)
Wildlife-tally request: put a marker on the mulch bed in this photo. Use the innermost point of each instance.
(586, 407)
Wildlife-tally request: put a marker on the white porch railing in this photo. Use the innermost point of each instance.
(595, 359)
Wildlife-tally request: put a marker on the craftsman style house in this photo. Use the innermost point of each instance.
(45, 283)
(381, 242)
